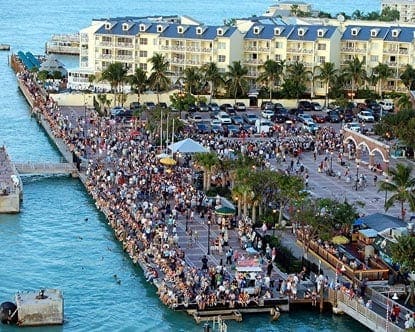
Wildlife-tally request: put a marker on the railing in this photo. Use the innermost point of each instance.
(45, 168)
(365, 315)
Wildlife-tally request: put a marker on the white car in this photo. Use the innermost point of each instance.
(267, 114)
(224, 118)
(215, 122)
(353, 126)
(311, 127)
(365, 116)
(305, 117)
(386, 105)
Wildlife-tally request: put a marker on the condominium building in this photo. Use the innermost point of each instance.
(393, 46)
(187, 43)
(406, 8)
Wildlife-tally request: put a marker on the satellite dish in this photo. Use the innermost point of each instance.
(340, 18)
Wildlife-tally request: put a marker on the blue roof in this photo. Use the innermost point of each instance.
(405, 34)
(266, 31)
(364, 32)
(311, 32)
(380, 222)
(169, 29)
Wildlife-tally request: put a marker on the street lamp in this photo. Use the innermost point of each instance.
(331, 162)
(208, 238)
(388, 309)
(357, 175)
(386, 193)
(274, 211)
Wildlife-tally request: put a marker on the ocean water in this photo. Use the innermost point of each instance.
(59, 239)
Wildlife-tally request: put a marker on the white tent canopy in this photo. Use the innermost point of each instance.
(187, 146)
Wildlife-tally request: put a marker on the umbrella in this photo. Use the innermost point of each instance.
(163, 155)
(168, 161)
(225, 211)
(340, 239)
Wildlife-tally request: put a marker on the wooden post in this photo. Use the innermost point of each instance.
(321, 297)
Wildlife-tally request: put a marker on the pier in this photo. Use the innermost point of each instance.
(46, 169)
(10, 184)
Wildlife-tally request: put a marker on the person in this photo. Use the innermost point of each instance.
(269, 268)
(204, 263)
(375, 179)
(229, 254)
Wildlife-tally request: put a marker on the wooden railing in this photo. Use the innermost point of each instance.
(352, 274)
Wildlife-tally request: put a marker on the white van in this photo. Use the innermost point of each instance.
(263, 126)
(224, 118)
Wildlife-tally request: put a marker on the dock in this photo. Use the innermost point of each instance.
(11, 189)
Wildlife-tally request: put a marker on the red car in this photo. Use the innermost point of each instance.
(319, 118)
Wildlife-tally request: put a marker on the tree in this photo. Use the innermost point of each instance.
(389, 15)
(138, 81)
(159, 79)
(213, 76)
(294, 9)
(289, 190)
(403, 253)
(237, 81)
(383, 73)
(295, 82)
(408, 77)
(357, 15)
(207, 161)
(401, 185)
(356, 73)
(403, 102)
(272, 71)
(192, 78)
(115, 74)
(327, 74)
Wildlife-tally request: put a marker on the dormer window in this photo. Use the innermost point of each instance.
(320, 33)
(373, 33)
(107, 26)
(125, 26)
(395, 33)
(142, 27)
(301, 32)
(159, 28)
(355, 31)
(199, 31)
(277, 31)
(256, 30)
(219, 32)
(180, 29)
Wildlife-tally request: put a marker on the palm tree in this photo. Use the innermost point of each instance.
(383, 73)
(403, 253)
(401, 185)
(356, 73)
(237, 81)
(159, 79)
(192, 78)
(138, 81)
(298, 75)
(408, 77)
(213, 76)
(115, 74)
(403, 102)
(327, 74)
(207, 161)
(272, 71)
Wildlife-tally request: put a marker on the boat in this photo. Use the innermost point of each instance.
(4, 47)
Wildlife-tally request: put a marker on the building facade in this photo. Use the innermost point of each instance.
(406, 8)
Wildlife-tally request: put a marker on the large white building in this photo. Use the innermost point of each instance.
(187, 43)
(406, 8)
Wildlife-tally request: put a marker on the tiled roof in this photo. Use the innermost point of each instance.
(291, 32)
(364, 33)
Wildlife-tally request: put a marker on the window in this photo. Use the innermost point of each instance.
(199, 31)
(221, 46)
(354, 32)
(125, 26)
(256, 30)
(392, 58)
(254, 44)
(277, 57)
(159, 28)
(321, 59)
(277, 31)
(278, 45)
(180, 29)
(221, 58)
(373, 33)
(301, 32)
(142, 27)
(395, 33)
(107, 26)
(320, 33)
(296, 58)
(219, 32)
(143, 54)
(143, 41)
(374, 58)
(321, 47)
(143, 66)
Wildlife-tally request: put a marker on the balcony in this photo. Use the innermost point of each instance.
(124, 57)
(125, 45)
(403, 51)
(390, 50)
(105, 43)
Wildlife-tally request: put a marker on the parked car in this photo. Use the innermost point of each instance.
(239, 106)
(217, 129)
(365, 116)
(192, 108)
(213, 107)
(232, 130)
(267, 105)
(226, 107)
(304, 117)
(150, 105)
(333, 117)
(115, 111)
(311, 127)
(250, 118)
(162, 105)
(319, 118)
(305, 105)
(203, 128)
(316, 106)
(135, 106)
(202, 106)
(215, 122)
(267, 114)
(280, 115)
(250, 129)
(387, 105)
(224, 118)
(195, 118)
(348, 116)
(373, 105)
(353, 126)
(237, 119)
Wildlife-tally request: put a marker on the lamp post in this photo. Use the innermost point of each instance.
(274, 211)
(331, 162)
(357, 175)
(388, 309)
(208, 237)
(386, 193)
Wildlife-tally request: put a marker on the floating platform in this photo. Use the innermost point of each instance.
(4, 47)
(37, 308)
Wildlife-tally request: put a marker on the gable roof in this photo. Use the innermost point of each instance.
(364, 32)
(380, 222)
